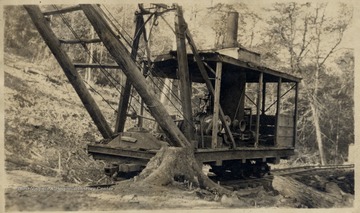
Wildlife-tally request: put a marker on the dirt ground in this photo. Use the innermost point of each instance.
(26, 191)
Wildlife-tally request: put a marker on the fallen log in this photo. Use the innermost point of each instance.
(308, 196)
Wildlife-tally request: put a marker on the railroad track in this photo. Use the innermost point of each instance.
(266, 181)
(238, 184)
(305, 169)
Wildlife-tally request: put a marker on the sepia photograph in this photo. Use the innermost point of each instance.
(210, 105)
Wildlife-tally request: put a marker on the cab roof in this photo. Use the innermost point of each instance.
(166, 66)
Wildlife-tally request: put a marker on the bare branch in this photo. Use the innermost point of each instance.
(332, 50)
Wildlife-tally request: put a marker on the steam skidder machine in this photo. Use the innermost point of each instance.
(248, 118)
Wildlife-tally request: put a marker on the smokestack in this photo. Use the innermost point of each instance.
(230, 37)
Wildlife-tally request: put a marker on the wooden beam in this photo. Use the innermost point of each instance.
(296, 112)
(183, 72)
(263, 98)
(216, 105)
(208, 84)
(258, 103)
(278, 103)
(126, 92)
(80, 41)
(130, 69)
(62, 10)
(103, 66)
(69, 69)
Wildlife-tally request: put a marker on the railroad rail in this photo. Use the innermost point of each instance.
(266, 181)
(304, 169)
(239, 184)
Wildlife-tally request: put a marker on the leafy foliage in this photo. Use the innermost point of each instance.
(306, 39)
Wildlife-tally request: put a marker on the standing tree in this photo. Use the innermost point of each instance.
(306, 36)
(338, 132)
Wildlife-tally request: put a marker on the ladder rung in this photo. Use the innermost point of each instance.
(63, 10)
(77, 41)
(106, 66)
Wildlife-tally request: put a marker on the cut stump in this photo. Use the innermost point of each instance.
(177, 164)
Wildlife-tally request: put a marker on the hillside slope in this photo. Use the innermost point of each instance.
(46, 124)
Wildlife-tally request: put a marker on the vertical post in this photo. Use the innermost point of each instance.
(69, 69)
(91, 55)
(263, 98)
(215, 126)
(183, 71)
(146, 37)
(140, 119)
(296, 112)
(209, 85)
(258, 104)
(142, 107)
(125, 94)
(278, 104)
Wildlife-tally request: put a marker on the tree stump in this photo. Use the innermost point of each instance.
(175, 163)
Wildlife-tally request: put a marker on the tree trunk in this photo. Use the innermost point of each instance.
(314, 96)
(318, 133)
(316, 121)
(337, 135)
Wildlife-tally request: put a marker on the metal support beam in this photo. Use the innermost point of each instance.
(69, 69)
(183, 72)
(258, 105)
(215, 126)
(126, 92)
(130, 69)
(209, 86)
(278, 103)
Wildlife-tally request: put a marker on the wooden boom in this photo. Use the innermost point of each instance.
(183, 72)
(132, 72)
(69, 69)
